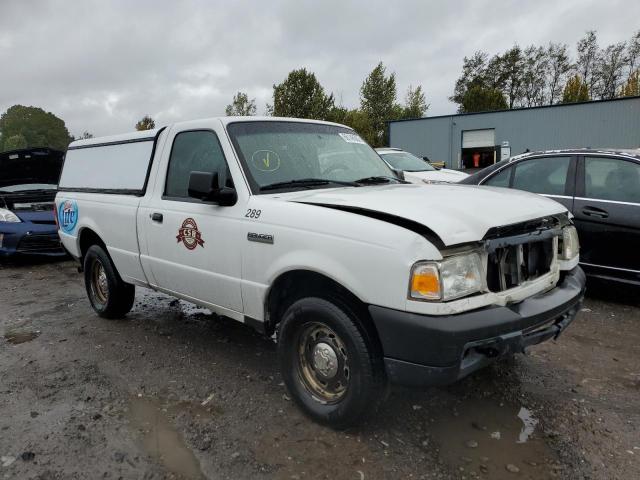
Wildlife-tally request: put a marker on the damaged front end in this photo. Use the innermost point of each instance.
(524, 252)
(509, 264)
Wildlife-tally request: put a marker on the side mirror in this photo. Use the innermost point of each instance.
(205, 186)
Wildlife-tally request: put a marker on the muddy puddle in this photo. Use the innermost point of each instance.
(161, 440)
(486, 439)
(17, 337)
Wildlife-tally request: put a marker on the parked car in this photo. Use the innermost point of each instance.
(258, 220)
(28, 184)
(416, 170)
(601, 188)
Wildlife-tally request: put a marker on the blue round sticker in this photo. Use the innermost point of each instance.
(68, 215)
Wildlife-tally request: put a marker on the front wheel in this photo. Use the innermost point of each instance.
(110, 297)
(328, 363)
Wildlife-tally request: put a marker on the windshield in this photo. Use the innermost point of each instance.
(282, 152)
(406, 162)
(27, 187)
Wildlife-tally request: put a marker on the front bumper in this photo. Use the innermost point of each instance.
(30, 239)
(422, 350)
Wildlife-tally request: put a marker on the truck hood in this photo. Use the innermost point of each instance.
(455, 213)
(443, 175)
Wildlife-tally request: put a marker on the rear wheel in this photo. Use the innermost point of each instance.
(330, 368)
(110, 297)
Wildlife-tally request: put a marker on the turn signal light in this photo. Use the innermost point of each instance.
(425, 282)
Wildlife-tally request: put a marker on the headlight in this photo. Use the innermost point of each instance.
(569, 245)
(453, 277)
(8, 216)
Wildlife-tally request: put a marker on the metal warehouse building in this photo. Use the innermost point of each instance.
(472, 140)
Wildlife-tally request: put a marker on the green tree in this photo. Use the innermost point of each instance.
(493, 84)
(506, 73)
(337, 114)
(415, 103)
(361, 123)
(559, 66)
(300, 95)
(576, 90)
(610, 67)
(632, 87)
(479, 98)
(588, 52)
(15, 142)
(378, 101)
(241, 106)
(32, 127)
(474, 72)
(534, 76)
(633, 54)
(146, 123)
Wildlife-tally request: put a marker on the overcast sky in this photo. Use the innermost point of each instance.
(102, 65)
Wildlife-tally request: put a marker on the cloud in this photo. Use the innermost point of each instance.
(102, 65)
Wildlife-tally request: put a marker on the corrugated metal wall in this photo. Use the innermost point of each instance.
(614, 123)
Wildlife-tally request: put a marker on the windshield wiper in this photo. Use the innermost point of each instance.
(306, 182)
(377, 180)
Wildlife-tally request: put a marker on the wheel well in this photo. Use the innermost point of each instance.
(87, 238)
(296, 284)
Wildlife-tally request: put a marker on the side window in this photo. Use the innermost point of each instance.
(546, 175)
(615, 179)
(501, 179)
(196, 151)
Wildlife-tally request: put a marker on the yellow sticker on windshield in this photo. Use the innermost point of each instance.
(265, 160)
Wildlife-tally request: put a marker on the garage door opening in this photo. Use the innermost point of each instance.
(478, 148)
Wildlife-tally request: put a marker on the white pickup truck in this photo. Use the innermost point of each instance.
(297, 228)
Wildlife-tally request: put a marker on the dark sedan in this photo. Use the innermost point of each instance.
(28, 185)
(602, 190)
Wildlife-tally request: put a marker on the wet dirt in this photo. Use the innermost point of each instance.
(486, 437)
(17, 337)
(160, 438)
(175, 392)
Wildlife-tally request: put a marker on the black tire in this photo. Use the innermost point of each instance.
(361, 367)
(110, 297)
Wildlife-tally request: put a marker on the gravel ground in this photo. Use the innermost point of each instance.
(173, 392)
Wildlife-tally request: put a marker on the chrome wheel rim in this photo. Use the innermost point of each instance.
(323, 363)
(99, 283)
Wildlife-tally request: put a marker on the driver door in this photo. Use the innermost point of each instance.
(193, 245)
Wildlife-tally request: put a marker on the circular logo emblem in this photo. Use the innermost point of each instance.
(68, 215)
(189, 234)
(265, 160)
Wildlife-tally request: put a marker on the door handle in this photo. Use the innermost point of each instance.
(156, 217)
(595, 212)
